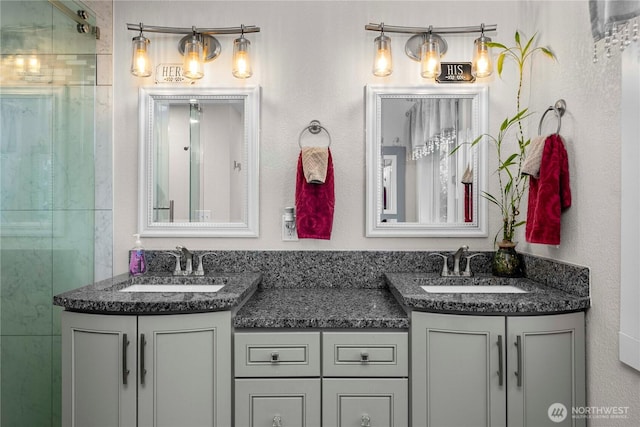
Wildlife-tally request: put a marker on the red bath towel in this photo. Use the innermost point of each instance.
(549, 194)
(314, 205)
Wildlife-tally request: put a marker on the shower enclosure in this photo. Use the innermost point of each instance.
(47, 208)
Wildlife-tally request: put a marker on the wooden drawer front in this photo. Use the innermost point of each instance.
(275, 354)
(370, 354)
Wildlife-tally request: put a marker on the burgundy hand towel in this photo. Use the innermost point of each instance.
(549, 195)
(314, 204)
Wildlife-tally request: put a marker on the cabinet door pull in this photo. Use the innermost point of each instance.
(364, 357)
(365, 421)
(500, 361)
(518, 373)
(143, 371)
(277, 421)
(125, 371)
(275, 357)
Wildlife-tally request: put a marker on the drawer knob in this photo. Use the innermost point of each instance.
(366, 421)
(275, 357)
(277, 421)
(364, 356)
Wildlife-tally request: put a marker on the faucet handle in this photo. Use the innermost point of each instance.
(200, 270)
(467, 270)
(177, 271)
(445, 267)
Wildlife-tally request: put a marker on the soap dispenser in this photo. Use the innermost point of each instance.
(137, 262)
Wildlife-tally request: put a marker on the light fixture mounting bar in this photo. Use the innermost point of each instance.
(177, 30)
(437, 30)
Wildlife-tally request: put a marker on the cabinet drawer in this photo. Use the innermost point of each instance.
(370, 354)
(275, 354)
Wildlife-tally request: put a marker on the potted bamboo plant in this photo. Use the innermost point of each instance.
(512, 182)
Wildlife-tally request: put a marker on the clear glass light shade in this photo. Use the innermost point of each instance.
(193, 66)
(481, 65)
(382, 64)
(140, 62)
(20, 65)
(241, 58)
(430, 58)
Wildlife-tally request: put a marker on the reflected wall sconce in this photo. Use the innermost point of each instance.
(197, 46)
(427, 47)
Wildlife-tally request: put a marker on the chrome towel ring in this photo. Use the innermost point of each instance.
(314, 128)
(560, 107)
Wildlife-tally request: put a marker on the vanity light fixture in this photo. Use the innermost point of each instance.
(430, 57)
(241, 57)
(198, 46)
(382, 63)
(427, 46)
(140, 63)
(481, 65)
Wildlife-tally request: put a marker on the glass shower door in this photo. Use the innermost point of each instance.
(47, 192)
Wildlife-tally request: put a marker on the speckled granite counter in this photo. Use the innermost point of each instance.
(105, 296)
(322, 308)
(539, 299)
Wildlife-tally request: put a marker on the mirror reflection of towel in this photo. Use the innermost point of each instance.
(315, 204)
(314, 164)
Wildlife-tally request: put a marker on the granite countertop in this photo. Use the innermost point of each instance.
(539, 299)
(322, 308)
(105, 296)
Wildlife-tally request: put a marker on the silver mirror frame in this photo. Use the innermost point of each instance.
(146, 226)
(374, 94)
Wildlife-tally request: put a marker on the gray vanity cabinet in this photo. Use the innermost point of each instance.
(280, 380)
(146, 370)
(496, 370)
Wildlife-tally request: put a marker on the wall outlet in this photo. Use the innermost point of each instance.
(289, 234)
(203, 215)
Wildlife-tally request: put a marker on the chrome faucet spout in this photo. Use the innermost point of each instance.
(456, 259)
(188, 257)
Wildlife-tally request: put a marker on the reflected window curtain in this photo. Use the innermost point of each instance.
(433, 131)
(616, 22)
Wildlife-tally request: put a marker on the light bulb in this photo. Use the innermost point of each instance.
(241, 58)
(33, 66)
(382, 63)
(430, 58)
(193, 66)
(140, 63)
(481, 65)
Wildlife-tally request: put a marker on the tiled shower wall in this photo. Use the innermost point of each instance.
(55, 198)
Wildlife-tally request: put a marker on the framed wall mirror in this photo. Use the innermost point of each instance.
(199, 151)
(424, 178)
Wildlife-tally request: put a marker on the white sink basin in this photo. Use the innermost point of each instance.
(172, 288)
(474, 289)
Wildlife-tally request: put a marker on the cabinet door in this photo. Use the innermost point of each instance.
(546, 370)
(98, 370)
(184, 370)
(457, 375)
(365, 402)
(277, 402)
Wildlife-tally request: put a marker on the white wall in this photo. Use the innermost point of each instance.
(591, 227)
(313, 59)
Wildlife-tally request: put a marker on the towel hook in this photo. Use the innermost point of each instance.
(314, 128)
(560, 107)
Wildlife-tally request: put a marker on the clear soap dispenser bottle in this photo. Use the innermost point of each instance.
(137, 262)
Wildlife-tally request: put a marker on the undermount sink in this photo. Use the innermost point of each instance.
(473, 289)
(166, 284)
(172, 288)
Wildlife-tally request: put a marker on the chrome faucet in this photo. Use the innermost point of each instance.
(456, 259)
(189, 259)
(456, 263)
